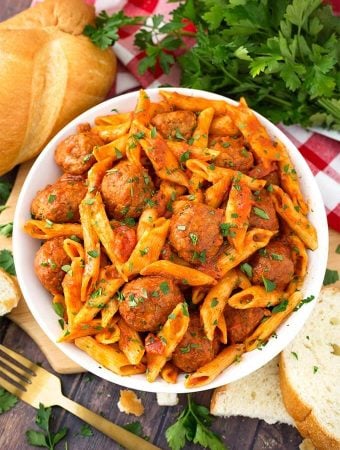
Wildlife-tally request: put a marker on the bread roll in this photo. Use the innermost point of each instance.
(9, 292)
(49, 74)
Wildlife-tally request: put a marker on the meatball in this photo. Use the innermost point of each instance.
(74, 154)
(242, 322)
(48, 263)
(233, 154)
(59, 202)
(148, 301)
(195, 349)
(269, 173)
(195, 232)
(175, 124)
(125, 240)
(126, 189)
(274, 263)
(263, 214)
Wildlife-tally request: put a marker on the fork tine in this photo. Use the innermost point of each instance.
(24, 373)
(11, 387)
(12, 376)
(17, 357)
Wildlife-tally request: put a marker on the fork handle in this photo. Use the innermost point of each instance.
(128, 440)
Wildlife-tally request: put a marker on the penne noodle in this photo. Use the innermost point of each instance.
(212, 369)
(255, 133)
(255, 297)
(108, 336)
(169, 373)
(81, 330)
(222, 328)
(189, 103)
(109, 312)
(72, 289)
(254, 240)
(198, 294)
(110, 133)
(171, 335)
(73, 249)
(115, 149)
(109, 356)
(290, 182)
(159, 108)
(113, 119)
(185, 275)
(215, 193)
(200, 134)
(91, 250)
(223, 126)
(148, 248)
(183, 151)
(299, 256)
(130, 343)
(295, 219)
(237, 213)
(267, 328)
(146, 221)
(103, 291)
(243, 280)
(40, 229)
(96, 174)
(215, 302)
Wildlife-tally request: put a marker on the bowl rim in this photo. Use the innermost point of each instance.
(273, 348)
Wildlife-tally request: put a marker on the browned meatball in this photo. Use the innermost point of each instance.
(263, 214)
(176, 124)
(233, 154)
(148, 301)
(195, 232)
(74, 154)
(242, 322)
(59, 202)
(126, 189)
(195, 349)
(274, 263)
(48, 263)
(268, 172)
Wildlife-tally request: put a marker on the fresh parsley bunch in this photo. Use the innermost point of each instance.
(283, 56)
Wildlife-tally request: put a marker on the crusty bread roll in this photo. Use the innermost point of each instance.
(257, 395)
(9, 293)
(49, 73)
(310, 371)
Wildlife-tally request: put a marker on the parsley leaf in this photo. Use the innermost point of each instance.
(5, 189)
(268, 284)
(44, 438)
(331, 276)
(193, 425)
(86, 430)
(136, 428)
(6, 229)
(7, 400)
(6, 261)
(280, 307)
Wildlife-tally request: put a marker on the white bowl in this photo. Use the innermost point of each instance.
(45, 171)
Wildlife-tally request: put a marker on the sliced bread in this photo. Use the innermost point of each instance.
(310, 374)
(9, 293)
(258, 396)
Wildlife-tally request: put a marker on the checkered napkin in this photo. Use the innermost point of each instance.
(321, 153)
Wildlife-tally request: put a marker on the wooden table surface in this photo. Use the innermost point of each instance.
(101, 396)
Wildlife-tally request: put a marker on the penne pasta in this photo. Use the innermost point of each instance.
(109, 356)
(96, 174)
(148, 248)
(113, 119)
(295, 219)
(299, 256)
(41, 229)
(215, 302)
(171, 335)
(222, 328)
(72, 289)
(169, 373)
(185, 275)
(108, 336)
(111, 132)
(255, 297)
(254, 240)
(130, 343)
(223, 126)
(114, 150)
(212, 369)
(81, 330)
(200, 134)
(109, 312)
(189, 103)
(183, 151)
(267, 328)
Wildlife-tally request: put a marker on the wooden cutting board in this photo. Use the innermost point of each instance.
(24, 319)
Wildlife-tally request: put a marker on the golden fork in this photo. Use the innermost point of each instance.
(35, 385)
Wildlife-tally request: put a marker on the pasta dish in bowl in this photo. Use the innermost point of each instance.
(181, 234)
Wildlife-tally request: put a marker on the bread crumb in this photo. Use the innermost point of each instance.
(129, 403)
(9, 293)
(307, 444)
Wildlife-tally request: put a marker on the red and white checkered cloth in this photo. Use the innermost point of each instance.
(321, 153)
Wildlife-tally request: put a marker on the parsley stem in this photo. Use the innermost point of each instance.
(277, 100)
(330, 107)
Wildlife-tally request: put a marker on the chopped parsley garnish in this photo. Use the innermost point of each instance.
(97, 293)
(193, 238)
(214, 302)
(315, 369)
(51, 198)
(226, 231)
(164, 287)
(75, 238)
(295, 355)
(260, 213)
(69, 215)
(247, 269)
(129, 221)
(49, 223)
(185, 309)
(179, 135)
(304, 301)
(93, 253)
(268, 284)
(201, 256)
(211, 166)
(59, 309)
(89, 201)
(66, 268)
(280, 307)
(118, 153)
(331, 276)
(144, 251)
(153, 132)
(276, 257)
(184, 156)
